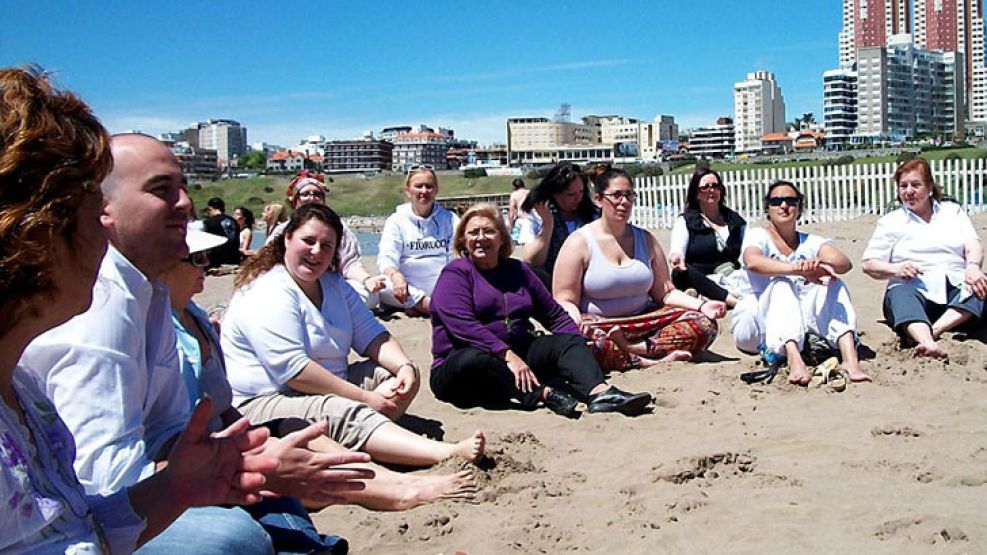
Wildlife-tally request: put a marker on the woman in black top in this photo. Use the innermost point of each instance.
(706, 239)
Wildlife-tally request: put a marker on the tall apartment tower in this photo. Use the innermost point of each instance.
(957, 26)
(870, 23)
(758, 109)
(227, 137)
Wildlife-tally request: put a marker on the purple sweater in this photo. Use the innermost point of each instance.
(471, 308)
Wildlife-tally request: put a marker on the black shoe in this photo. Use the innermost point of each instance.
(615, 400)
(562, 403)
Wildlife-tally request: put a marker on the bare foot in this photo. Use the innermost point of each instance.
(420, 490)
(856, 374)
(471, 448)
(932, 350)
(797, 373)
(676, 356)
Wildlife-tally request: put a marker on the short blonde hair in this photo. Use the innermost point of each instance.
(483, 210)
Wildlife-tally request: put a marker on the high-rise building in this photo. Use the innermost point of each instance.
(758, 109)
(227, 137)
(870, 23)
(957, 26)
(904, 92)
(839, 105)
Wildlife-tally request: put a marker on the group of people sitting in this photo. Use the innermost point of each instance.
(131, 421)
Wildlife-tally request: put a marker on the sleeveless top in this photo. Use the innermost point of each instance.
(610, 290)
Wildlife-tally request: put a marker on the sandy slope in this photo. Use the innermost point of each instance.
(899, 465)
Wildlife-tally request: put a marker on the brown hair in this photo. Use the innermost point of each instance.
(483, 210)
(272, 253)
(53, 155)
(921, 166)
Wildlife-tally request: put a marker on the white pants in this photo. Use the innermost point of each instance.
(372, 300)
(387, 295)
(786, 311)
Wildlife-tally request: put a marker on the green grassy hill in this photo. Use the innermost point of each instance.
(350, 194)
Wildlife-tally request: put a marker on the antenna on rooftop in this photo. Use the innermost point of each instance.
(562, 116)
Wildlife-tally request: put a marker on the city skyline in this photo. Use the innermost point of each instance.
(341, 70)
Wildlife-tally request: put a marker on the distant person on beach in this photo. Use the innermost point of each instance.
(287, 337)
(519, 221)
(310, 188)
(204, 372)
(415, 245)
(613, 280)
(245, 221)
(484, 347)
(794, 289)
(704, 254)
(219, 223)
(930, 254)
(558, 206)
(272, 216)
(53, 155)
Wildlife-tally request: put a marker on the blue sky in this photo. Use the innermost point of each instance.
(292, 69)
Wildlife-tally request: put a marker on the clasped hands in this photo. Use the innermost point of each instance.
(815, 270)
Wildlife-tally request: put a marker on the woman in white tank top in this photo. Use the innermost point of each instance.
(613, 280)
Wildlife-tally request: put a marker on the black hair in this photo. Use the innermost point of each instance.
(556, 181)
(692, 194)
(602, 174)
(784, 183)
(518, 183)
(216, 203)
(248, 216)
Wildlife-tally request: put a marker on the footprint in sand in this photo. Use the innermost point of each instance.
(895, 430)
(705, 467)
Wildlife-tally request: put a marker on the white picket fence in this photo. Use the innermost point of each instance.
(832, 193)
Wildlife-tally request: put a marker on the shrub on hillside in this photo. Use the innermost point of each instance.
(953, 156)
(473, 173)
(268, 189)
(905, 156)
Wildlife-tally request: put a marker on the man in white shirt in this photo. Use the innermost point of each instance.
(112, 371)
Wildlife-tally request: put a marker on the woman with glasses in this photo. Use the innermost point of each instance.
(557, 207)
(706, 239)
(794, 290)
(415, 245)
(930, 254)
(613, 280)
(310, 188)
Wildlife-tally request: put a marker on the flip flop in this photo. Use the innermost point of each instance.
(766, 375)
(829, 373)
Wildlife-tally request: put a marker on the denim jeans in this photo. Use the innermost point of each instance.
(211, 531)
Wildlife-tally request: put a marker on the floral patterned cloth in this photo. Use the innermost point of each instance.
(44, 508)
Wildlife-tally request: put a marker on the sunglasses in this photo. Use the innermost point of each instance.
(198, 259)
(707, 186)
(615, 196)
(778, 201)
(312, 194)
(420, 167)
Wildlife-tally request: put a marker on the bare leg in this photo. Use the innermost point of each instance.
(925, 346)
(641, 349)
(848, 348)
(391, 443)
(394, 491)
(797, 373)
(403, 401)
(950, 319)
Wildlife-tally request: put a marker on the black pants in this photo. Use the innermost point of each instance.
(695, 278)
(472, 377)
(905, 305)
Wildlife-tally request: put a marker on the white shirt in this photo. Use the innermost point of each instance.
(272, 330)
(808, 248)
(112, 373)
(418, 247)
(937, 246)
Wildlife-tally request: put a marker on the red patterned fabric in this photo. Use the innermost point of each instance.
(664, 331)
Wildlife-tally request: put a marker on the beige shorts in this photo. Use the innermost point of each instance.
(351, 423)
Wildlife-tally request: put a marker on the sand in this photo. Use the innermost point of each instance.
(898, 465)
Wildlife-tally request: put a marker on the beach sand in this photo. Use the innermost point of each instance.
(895, 466)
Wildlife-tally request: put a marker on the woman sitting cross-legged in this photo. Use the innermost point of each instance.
(706, 239)
(204, 372)
(613, 280)
(286, 338)
(794, 289)
(484, 347)
(931, 256)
